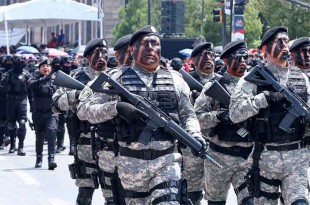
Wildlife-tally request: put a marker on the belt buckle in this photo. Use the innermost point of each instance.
(147, 154)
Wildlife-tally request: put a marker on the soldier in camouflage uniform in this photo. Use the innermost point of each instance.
(96, 53)
(278, 159)
(107, 146)
(193, 167)
(149, 171)
(227, 141)
(122, 53)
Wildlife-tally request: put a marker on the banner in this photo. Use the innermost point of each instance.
(238, 28)
(15, 35)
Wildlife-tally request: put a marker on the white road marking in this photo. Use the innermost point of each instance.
(56, 202)
(2, 158)
(26, 178)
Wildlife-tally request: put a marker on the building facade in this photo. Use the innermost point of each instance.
(89, 29)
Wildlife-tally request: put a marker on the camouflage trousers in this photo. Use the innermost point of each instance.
(84, 153)
(141, 175)
(288, 166)
(217, 182)
(106, 163)
(193, 171)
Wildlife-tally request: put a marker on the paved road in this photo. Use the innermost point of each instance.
(21, 183)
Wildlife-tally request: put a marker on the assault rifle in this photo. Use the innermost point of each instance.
(216, 91)
(156, 118)
(298, 108)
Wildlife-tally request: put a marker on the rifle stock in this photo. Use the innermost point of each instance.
(216, 91)
(298, 108)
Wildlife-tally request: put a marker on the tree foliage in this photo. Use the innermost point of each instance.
(259, 16)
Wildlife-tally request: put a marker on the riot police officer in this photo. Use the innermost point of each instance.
(44, 119)
(6, 66)
(15, 81)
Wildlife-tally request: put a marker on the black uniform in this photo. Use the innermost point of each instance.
(45, 120)
(15, 81)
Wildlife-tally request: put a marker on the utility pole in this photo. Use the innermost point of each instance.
(224, 32)
(149, 12)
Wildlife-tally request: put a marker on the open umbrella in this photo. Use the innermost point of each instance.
(186, 52)
(27, 50)
(53, 52)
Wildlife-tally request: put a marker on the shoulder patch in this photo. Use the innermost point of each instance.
(86, 93)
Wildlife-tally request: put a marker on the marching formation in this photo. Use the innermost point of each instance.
(147, 132)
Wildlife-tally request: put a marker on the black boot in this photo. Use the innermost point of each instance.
(60, 142)
(13, 145)
(51, 163)
(85, 196)
(20, 150)
(38, 161)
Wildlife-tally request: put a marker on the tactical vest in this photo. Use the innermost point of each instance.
(17, 84)
(264, 127)
(230, 132)
(298, 83)
(42, 97)
(162, 94)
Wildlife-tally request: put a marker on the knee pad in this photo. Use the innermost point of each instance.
(12, 125)
(22, 124)
(195, 197)
(216, 202)
(86, 192)
(300, 202)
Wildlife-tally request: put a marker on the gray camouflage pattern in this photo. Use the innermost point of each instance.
(193, 171)
(106, 162)
(288, 166)
(141, 175)
(217, 181)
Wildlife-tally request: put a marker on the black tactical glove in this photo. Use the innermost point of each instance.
(129, 112)
(77, 94)
(274, 96)
(203, 144)
(223, 116)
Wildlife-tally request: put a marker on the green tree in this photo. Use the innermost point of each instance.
(132, 17)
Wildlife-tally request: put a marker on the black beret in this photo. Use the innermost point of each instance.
(200, 47)
(268, 36)
(45, 61)
(122, 42)
(96, 42)
(299, 42)
(145, 31)
(231, 47)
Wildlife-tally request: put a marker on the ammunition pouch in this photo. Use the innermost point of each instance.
(78, 169)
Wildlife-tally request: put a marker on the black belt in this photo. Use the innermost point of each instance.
(236, 151)
(289, 147)
(148, 154)
(84, 141)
